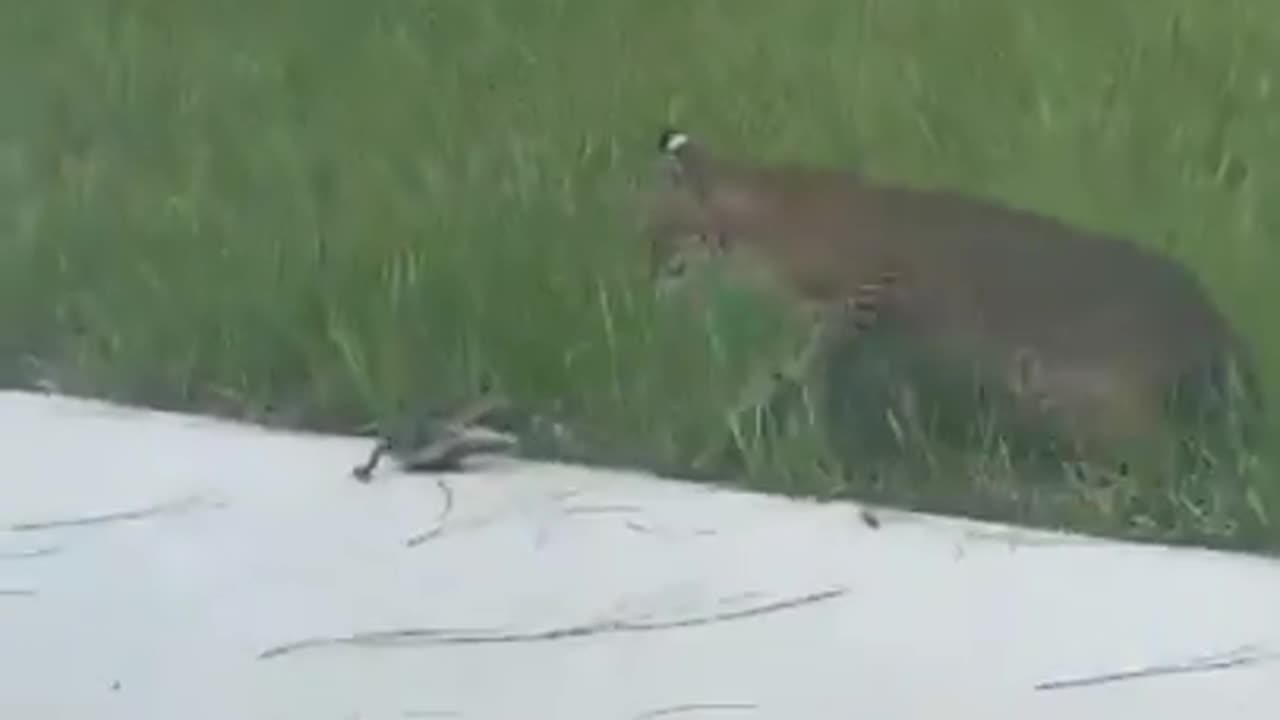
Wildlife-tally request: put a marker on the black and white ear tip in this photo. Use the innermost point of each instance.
(672, 141)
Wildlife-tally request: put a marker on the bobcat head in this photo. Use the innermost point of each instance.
(682, 226)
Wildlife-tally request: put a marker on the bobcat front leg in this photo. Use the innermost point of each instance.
(849, 317)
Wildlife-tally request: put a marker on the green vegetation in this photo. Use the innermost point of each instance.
(327, 212)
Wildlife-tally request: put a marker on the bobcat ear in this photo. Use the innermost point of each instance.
(672, 141)
(684, 163)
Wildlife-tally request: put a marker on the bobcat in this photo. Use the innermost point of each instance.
(1088, 330)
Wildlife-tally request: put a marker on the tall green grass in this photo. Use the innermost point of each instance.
(327, 212)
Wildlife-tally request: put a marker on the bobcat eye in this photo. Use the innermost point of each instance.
(663, 265)
(670, 277)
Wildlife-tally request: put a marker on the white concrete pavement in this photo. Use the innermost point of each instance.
(164, 566)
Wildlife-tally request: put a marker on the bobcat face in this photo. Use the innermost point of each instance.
(672, 256)
(773, 226)
(675, 249)
(680, 231)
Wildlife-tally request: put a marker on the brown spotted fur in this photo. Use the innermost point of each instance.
(1094, 328)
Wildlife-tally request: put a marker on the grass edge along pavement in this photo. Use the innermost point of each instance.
(327, 213)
